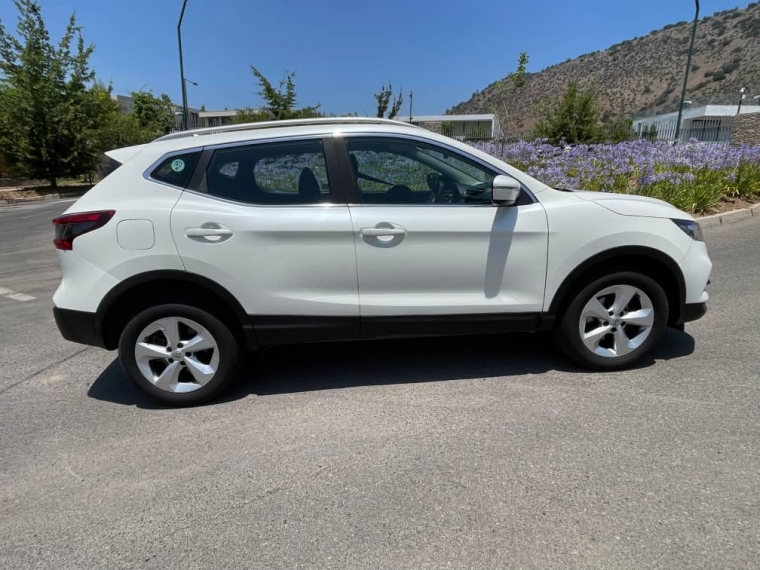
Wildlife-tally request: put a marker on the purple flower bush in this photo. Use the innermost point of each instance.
(693, 176)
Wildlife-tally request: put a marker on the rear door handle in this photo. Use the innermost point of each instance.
(208, 232)
(382, 232)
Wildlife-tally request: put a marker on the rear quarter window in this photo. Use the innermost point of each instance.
(177, 169)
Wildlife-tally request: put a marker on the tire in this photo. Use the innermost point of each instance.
(592, 337)
(178, 375)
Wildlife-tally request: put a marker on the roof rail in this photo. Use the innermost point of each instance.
(285, 123)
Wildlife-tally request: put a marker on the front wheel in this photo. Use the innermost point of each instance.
(180, 355)
(613, 321)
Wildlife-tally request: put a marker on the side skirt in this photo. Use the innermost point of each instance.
(276, 330)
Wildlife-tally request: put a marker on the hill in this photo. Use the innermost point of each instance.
(643, 76)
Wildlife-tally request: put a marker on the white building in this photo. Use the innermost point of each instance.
(195, 117)
(459, 126)
(709, 123)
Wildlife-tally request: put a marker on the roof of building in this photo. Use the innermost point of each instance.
(703, 111)
(445, 118)
(223, 113)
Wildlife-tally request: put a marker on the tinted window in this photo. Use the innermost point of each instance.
(270, 173)
(397, 171)
(176, 169)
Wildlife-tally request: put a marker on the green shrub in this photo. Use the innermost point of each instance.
(719, 75)
(729, 68)
(746, 184)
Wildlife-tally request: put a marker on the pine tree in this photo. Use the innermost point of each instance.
(574, 119)
(46, 107)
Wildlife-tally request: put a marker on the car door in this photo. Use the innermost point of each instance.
(267, 223)
(434, 255)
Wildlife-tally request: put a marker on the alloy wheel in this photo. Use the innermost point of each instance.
(177, 354)
(616, 321)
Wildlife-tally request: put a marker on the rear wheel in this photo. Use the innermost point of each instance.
(613, 321)
(178, 354)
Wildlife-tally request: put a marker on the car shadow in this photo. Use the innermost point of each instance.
(330, 366)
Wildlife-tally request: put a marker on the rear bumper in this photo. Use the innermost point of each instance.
(79, 326)
(692, 312)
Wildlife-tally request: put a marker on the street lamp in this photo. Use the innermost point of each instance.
(686, 75)
(743, 93)
(182, 67)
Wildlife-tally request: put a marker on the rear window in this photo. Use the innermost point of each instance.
(176, 169)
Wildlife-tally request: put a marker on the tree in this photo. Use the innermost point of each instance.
(281, 101)
(619, 130)
(574, 119)
(509, 87)
(47, 111)
(249, 115)
(154, 114)
(384, 100)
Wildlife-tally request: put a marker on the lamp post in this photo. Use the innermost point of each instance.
(411, 100)
(182, 67)
(686, 75)
(743, 94)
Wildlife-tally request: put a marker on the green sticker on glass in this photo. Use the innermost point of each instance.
(178, 165)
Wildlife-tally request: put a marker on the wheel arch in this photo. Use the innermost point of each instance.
(648, 261)
(151, 288)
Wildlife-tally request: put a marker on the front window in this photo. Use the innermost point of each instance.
(400, 171)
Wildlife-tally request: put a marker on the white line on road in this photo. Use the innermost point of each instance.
(11, 294)
(20, 297)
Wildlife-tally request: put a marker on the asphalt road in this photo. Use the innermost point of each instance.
(486, 452)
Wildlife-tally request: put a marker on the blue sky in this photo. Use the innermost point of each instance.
(343, 50)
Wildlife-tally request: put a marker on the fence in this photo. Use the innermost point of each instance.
(703, 129)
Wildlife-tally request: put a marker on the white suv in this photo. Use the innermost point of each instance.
(204, 243)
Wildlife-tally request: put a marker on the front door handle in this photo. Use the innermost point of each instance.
(383, 232)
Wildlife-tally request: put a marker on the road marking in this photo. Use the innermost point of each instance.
(20, 297)
(11, 294)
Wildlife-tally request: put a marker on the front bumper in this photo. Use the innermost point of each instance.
(692, 312)
(79, 326)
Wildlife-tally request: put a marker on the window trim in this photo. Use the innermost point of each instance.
(354, 194)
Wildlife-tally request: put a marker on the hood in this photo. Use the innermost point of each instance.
(633, 205)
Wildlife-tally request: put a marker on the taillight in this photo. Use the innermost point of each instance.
(71, 226)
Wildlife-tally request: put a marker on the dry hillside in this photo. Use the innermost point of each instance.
(643, 76)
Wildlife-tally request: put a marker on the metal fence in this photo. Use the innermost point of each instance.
(703, 129)
(714, 130)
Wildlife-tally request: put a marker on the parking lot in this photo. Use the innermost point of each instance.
(479, 452)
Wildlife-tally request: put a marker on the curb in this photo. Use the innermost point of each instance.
(728, 217)
(42, 198)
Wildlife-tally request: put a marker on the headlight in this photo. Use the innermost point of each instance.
(690, 228)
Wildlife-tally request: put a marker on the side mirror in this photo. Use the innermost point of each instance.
(505, 191)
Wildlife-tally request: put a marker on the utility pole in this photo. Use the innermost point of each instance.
(411, 100)
(686, 75)
(182, 67)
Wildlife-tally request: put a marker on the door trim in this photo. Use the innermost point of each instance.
(291, 329)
